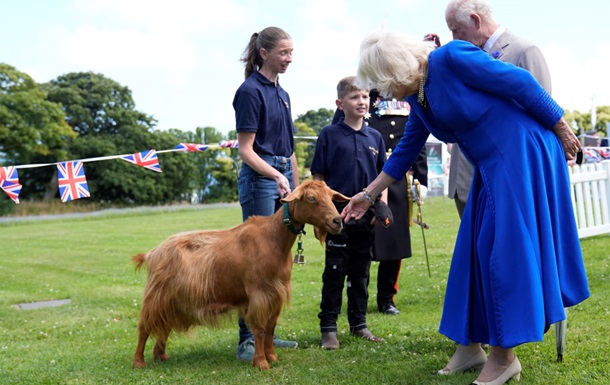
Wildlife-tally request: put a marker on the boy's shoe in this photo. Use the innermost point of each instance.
(245, 350)
(330, 341)
(280, 343)
(367, 335)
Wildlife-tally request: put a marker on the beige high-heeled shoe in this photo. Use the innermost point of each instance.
(513, 371)
(476, 361)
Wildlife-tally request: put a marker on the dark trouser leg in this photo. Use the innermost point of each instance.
(460, 205)
(333, 280)
(357, 290)
(387, 282)
(359, 241)
(244, 332)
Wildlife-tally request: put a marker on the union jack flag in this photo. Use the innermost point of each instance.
(9, 182)
(72, 181)
(191, 147)
(233, 143)
(147, 159)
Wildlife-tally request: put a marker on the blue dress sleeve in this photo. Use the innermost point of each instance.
(479, 70)
(409, 147)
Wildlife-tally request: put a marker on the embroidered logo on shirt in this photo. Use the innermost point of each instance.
(285, 103)
(374, 150)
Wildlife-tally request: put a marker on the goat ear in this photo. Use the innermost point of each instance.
(320, 235)
(296, 194)
(338, 197)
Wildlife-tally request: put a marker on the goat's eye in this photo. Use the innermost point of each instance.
(311, 199)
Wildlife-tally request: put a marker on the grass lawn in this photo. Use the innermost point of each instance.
(92, 339)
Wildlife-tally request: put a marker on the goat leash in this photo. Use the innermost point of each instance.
(289, 224)
(299, 258)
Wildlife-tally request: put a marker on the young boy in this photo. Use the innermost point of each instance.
(349, 155)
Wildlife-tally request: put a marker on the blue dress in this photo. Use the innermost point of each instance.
(517, 260)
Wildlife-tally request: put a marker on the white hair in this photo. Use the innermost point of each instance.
(389, 59)
(462, 9)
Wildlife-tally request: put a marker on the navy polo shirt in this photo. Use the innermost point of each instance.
(263, 108)
(348, 159)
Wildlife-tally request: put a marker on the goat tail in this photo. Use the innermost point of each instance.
(139, 260)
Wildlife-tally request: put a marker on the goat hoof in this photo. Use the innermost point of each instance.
(272, 357)
(162, 357)
(140, 364)
(262, 365)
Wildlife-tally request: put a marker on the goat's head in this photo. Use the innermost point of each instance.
(312, 202)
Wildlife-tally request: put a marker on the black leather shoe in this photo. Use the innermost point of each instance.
(389, 309)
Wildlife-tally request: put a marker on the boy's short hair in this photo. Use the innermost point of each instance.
(347, 85)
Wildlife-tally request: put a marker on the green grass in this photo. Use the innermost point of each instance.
(92, 339)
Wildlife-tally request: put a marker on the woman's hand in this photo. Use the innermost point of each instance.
(283, 186)
(359, 203)
(433, 37)
(356, 207)
(571, 144)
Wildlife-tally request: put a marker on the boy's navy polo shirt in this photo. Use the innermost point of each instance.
(349, 160)
(263, 108)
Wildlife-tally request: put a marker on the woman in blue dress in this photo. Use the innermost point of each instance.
(517, 261)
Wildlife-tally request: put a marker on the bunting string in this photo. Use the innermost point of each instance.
(71, 174)
(73, 182)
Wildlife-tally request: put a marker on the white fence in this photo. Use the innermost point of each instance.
(590, 189)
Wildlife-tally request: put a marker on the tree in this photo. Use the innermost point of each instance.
(581, 121)
(304, 148)
(205, 162)
(95, 104)
(179, 168)
(225, 176)
(603, 119)
(103, 113)
(317, 120)
(33, 129)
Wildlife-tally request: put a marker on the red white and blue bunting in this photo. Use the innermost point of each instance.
(9, 182)
(71, 174)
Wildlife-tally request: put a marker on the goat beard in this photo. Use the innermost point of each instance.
(320, 235)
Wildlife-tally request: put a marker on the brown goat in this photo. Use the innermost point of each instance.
(194, 277)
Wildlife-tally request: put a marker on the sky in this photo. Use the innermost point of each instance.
(180, 58)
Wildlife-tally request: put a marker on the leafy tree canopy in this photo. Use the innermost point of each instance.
(95, 104)
(304, 148)
(103, 112)
(32, 128)
(316, 119)
(581, 121)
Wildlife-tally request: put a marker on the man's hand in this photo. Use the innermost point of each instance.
(569, 141)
